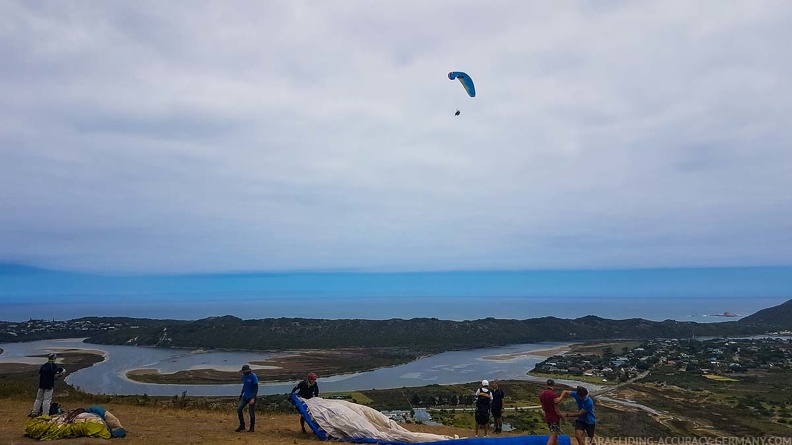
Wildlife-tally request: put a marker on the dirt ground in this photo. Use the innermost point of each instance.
(167, 426)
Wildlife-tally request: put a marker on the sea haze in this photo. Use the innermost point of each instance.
(247, 306)
(653, 294)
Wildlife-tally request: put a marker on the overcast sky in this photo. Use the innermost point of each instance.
(190, 136)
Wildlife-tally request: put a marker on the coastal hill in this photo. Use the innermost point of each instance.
(780, 316)
(415, 336)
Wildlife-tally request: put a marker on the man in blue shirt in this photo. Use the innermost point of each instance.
(586, 421)
(247, 397)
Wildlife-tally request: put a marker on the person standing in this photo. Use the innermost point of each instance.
(550, 407)
(306, 389)
(247, 397)
(497, 407)
(483, 406)
(586, 421)
(48, 373)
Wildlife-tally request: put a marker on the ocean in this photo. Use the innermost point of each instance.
(246, 306)
(700, 295)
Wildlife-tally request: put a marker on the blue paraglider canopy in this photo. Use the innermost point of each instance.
(465, 80)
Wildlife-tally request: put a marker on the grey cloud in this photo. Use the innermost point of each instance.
(259, 136)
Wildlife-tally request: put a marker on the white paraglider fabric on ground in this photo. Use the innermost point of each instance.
(346, 421)
(349, 421)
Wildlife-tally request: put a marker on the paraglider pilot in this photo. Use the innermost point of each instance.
(306, 389)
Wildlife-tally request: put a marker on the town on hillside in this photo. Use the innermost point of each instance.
(702, 356)
(49, 328)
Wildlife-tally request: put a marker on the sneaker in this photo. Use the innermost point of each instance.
(240, 429)
(251, 430)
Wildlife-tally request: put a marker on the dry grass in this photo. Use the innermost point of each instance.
(720, 378)
(166, 426)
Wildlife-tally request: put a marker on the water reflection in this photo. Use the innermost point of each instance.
(108, 377)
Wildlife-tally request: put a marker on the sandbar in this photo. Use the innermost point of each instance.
(549, 352)
(293, 365)
(40, 359)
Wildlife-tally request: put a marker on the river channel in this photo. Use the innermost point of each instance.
(108, 376)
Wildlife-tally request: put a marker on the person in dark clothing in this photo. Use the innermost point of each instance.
(247, 398)
(48, 373)
(306, 389)
(497, 407)
(483, 406)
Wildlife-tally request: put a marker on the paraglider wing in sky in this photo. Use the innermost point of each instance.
(465, 80)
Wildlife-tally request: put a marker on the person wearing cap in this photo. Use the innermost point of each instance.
(586, 421)
(306, 389)
(47, 374)
(497, 407)
(247, 398)
(483, 405)
(550, 407)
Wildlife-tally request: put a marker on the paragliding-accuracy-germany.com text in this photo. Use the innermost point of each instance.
(749, 440)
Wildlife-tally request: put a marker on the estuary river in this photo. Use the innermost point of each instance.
(108, 377)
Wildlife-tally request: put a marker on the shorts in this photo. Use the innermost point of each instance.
(482, 418)
(587, 427)
(496, 412)
(555, 427)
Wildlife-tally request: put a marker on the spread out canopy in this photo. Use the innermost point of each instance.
(465, 80)
(332, 419)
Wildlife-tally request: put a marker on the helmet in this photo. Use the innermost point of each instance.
(311, 376)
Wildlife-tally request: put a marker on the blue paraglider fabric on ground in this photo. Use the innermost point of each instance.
(351, 422)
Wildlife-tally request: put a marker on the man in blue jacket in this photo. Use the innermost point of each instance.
(586, 421)
(247, 398)
(47, 374)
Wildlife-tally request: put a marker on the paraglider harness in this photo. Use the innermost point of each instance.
(483, 405)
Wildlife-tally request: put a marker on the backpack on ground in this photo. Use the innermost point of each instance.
(55, 409)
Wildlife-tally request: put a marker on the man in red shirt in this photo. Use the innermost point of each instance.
(552, 416)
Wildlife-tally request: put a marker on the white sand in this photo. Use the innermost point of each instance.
(533, 353)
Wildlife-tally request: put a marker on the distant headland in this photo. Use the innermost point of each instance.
(404, 339)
